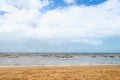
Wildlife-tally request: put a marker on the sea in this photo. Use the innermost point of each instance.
(59, 59)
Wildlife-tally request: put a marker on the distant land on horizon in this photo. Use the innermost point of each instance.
(64, 52)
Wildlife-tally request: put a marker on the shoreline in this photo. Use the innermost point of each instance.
(68, 66)
(64, 65)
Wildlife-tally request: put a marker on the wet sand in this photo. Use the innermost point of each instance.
(60, 73)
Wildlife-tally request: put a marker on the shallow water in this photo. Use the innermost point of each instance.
(52, 60)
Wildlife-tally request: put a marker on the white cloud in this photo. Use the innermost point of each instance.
(88, 41)
(70, 1)
(15, 5)
(74, 23)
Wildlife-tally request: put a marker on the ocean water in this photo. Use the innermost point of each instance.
(58, 59)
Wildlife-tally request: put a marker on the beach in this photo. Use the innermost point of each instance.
(59, 66)
(98, 72)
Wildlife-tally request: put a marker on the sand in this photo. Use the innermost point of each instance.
(61, 73)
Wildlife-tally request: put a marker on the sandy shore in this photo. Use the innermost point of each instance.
(61, 73)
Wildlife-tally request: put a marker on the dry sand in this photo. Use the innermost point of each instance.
(61, 73)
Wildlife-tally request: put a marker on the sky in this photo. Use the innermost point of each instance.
(60, 26)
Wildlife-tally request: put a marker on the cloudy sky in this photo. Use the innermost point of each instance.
(59, 25)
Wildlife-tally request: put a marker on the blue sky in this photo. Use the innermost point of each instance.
(61, 3)
(60, 26)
